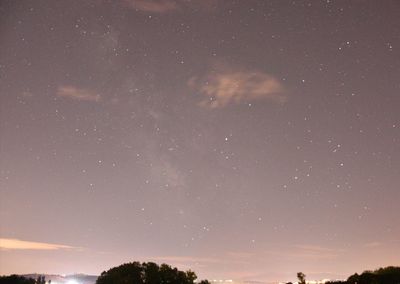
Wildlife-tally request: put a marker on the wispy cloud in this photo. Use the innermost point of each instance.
(166, 6)
(15, 244)
(373, 244)
(186, 259)
(224, 88)
(78, 94)
(185, 262)
(154, 6)
(240, 255)
(315, 252)
(305, 251)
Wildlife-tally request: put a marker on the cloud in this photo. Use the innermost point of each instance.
(185, 262)
(78, 94)
(153, 6)
(225, 88)
(315, 252)
(235, 254)
(14, 244)
(309, 252)
(229, 257)
(167, 6)
(373, 244)
(185, 259)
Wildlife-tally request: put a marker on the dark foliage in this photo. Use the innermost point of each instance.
(146, 273)
(16, 279)
(301, 278)
(41, 280)
(387, 275)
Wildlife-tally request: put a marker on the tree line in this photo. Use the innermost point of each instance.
(147, 273)
(152, 273)
(386, 275)
(18, 279)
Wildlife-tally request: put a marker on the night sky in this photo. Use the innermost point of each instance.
(244, 139)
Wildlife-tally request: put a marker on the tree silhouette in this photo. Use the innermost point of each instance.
(387, 275)
(146, 273)
(16, 279)
(41, 279)
(152, 273)
(301, 277)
